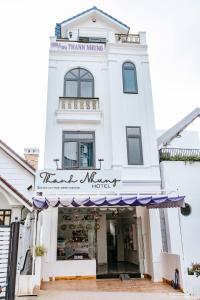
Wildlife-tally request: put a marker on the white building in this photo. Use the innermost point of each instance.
(101, 159)
(180, 168)
(17, 177)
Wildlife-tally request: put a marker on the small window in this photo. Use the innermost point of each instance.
(78, 150)
(79, 83)
(134, 146)
(5, 217)
(129, 78)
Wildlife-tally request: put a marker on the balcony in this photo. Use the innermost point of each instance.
(178, 154)
(78, 109)
(128, 38)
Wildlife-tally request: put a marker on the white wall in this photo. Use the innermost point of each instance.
(169, 263)
(16, 175)
(184, 230)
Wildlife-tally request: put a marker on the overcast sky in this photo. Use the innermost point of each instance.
(173, 35)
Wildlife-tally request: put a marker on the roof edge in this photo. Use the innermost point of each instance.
(95, 9)
(17, 157)
(14, 190)
(166, 137)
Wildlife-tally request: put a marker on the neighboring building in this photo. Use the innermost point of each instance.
(180, 169)
(101, 160)
(17, 178)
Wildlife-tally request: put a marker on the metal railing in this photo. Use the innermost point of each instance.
(179, 154)
(128, 38)
(86, 104)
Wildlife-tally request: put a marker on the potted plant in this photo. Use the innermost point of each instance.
(40, 250)
(195, 269)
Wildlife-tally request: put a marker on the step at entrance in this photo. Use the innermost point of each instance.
(4, 253)
(117, 275)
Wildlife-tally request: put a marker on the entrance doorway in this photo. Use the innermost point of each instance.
(122, 245)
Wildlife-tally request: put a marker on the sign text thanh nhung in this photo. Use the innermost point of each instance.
(67, 181)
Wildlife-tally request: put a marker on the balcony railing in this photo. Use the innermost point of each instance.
(75, 104)
(128, 38)
(178, 154)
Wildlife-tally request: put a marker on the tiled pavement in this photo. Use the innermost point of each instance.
(136, 289)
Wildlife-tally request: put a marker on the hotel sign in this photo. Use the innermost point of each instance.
(78, 47)
(69, 181)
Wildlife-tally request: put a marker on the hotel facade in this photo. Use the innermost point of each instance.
(101, 179)
(115, 199)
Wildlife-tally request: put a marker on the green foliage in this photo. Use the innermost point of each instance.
(40, 250)
(178, 157)
(196, 269)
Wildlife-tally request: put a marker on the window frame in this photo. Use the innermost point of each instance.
(140, 145)
(3, 211)
(78, 140)
(78, 80)
(123, 77)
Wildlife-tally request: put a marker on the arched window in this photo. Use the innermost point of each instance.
(79, 83)
(129, 78)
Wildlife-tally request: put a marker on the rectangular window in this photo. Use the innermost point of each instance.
(87, 89)
(71, 88)
(134, 146)
(129, 78)
(5, 217)
(78, 150)
(76, 239)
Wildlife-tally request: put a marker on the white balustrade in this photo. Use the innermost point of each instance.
(86, 104)
(128, 38)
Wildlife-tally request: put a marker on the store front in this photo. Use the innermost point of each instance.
(108, 236)
(95, 227)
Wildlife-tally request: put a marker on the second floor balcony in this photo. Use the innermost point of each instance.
(85, 104)
(179, 154)
(78, 109)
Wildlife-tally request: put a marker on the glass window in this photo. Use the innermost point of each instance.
(134, 146)
(70, 155)
(86, 89)
(86, 154)
(129, 78)
(78, 150)
(79, 83)
(76, 239)
(5, 217)
(71, 88)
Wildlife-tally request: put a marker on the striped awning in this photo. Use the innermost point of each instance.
(161, 201)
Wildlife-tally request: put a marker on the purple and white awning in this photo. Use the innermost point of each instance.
(160, 201)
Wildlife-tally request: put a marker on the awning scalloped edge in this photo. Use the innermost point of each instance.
(147, 201)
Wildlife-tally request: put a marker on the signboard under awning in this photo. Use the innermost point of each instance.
(77, 181)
